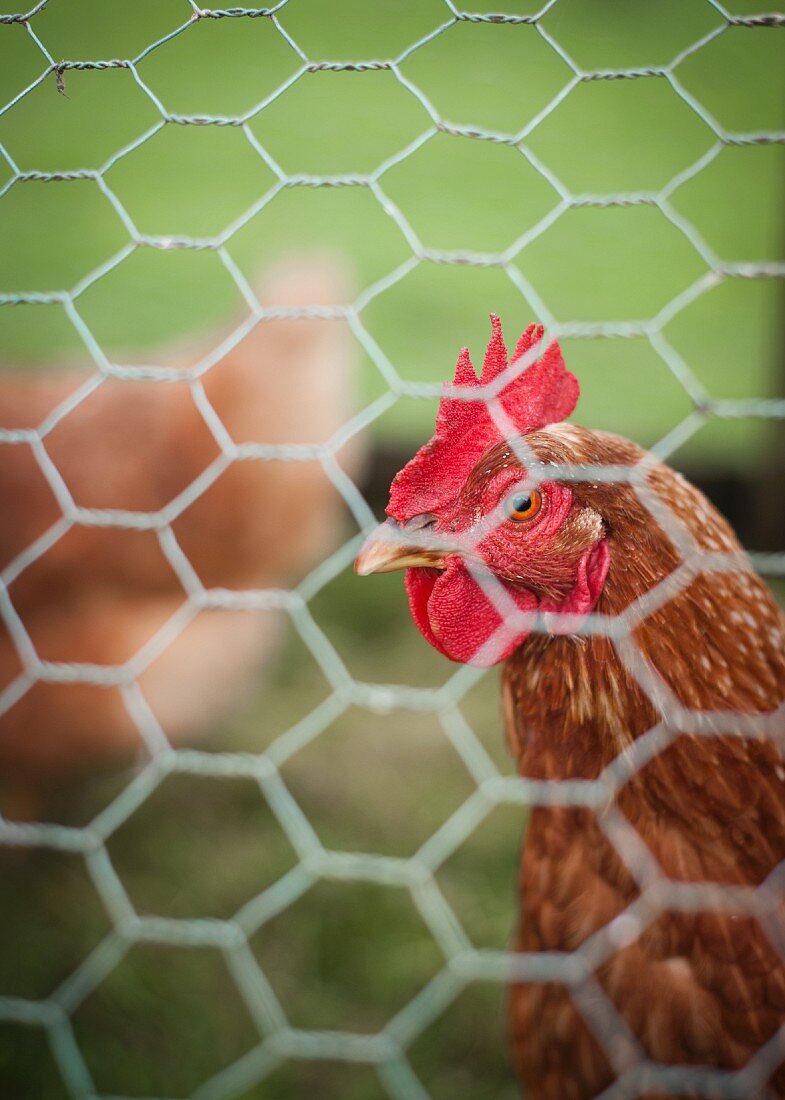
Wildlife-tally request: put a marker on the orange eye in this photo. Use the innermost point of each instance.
(523, 505)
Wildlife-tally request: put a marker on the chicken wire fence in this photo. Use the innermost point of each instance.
(463, 963)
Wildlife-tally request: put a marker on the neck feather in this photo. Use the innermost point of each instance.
(715, 643)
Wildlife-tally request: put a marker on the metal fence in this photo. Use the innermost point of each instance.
(463, 963)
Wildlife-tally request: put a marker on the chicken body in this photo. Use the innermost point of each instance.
(99, 594)
(682, 718)
(698, 988)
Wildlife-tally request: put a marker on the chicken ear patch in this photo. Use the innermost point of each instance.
(542, 392)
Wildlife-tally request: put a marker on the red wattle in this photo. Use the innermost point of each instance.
(453, 613)
(419, 585)
(457, 618)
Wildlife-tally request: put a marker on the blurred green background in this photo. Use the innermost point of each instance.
(617, 264)
(348, 956)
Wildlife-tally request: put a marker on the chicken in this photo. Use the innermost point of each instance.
(99, 593)
(510, 560)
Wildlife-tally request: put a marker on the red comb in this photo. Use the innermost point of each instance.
(543, 393)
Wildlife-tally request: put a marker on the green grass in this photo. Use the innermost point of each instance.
(345, 956)
(607, 136)
(349, 955)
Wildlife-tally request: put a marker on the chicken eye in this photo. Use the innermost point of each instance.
(523, 505)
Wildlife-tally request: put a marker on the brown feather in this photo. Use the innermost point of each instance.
(695, 987)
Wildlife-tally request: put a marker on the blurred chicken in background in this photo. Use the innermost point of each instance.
(101, 592)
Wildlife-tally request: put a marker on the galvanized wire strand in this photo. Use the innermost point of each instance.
(462, 964)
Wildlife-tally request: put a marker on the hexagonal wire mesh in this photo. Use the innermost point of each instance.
(463, 963)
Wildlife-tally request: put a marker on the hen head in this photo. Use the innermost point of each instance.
(487, 545)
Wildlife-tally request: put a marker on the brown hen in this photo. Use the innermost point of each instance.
(98, 594)
(510, 558)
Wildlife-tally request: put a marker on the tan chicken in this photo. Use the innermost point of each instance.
(99, 593)
(506, 563)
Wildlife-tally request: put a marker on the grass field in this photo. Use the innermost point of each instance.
(349, 956)
(346, 956)
(612, 264)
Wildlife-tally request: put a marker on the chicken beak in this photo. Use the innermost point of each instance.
(383, 552)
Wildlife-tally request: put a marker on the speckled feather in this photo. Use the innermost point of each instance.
(695, 988)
